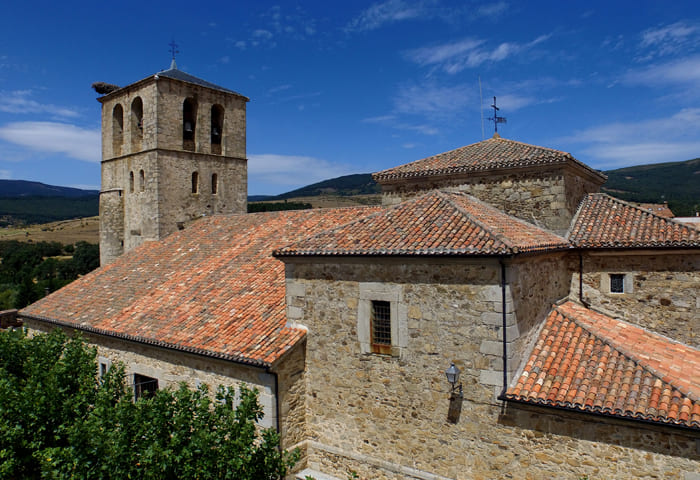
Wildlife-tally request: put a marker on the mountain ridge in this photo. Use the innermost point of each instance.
(677, 183)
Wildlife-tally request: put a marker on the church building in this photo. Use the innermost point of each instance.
(497, 317)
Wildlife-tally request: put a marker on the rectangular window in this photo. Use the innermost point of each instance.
(617, 283)
(381, 327)
(103, 369)
(144, 386)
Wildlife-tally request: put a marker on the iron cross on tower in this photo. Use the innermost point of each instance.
(496, 119)
(174, 50)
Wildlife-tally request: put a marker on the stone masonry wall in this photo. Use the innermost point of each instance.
(547, 197)
(662, 290)
(385, 416)
(172, 367)
(175, 188)
(536, 283)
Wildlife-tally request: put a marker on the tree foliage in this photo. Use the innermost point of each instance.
(29, 270)
(59, 421)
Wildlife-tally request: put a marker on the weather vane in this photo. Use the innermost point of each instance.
(496, 119)
(174, 50)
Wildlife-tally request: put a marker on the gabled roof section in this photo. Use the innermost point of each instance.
(212, 289)
(493, 154)
(603, 221)
(585, 361)
(434, 224)
(176, 74)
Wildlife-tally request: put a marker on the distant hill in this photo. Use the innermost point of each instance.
(345, 186)
(678, 183)
(26, 203)
(23, 188)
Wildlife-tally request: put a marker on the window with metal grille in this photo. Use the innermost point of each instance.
(617, 283)
(381, 327)
(144, 386)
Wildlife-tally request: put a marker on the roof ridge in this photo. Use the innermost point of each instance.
(338, 227)
(626, 352)
(499, 236)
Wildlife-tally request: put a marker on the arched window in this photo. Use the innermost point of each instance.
(214, 183)
(189, 124)
(117, 129)
(131, 182)
(136, 123)
(217, 128)
(142, 181)
(195, 182)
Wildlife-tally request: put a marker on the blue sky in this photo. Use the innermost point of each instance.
(360, 86)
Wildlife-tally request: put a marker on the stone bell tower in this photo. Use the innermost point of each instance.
(173, 149)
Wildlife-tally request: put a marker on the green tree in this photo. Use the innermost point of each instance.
(59, 421)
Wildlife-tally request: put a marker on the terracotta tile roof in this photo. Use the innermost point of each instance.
(492, 154)
(603, 221)
(436, 223)
(588, 362)
(213, 288)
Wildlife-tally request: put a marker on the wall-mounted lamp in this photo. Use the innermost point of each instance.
(452, 374)
(455, 407)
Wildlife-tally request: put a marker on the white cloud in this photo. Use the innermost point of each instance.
(669, 39)
(292, 170)
(19, 101)
(613, 145)
(389, 11)
(511, 103)
(73, 141)
(492, 9)
(432, 99)
(683, 71)
(467, 53)
(5, 174)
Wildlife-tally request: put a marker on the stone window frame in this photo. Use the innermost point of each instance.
(606, 283)
(103, 366)
(375, 291)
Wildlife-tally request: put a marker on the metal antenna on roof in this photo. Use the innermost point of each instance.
(173, 51)
(481, 107)
(496, 119)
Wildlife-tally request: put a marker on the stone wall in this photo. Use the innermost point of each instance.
(662, 290)
(536, 283)
(175, 188)
(385, 416)
(547, 197)
(172, 367)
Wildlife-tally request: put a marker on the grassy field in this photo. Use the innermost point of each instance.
(64, 231)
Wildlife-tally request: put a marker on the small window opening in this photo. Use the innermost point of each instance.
(136, 123)
(381, 327)
(103, 369)
(117, 129)
(189, 123)
(142, 181)
(217, 128)
(195, 182)
(144, 386)
(131, 182)
(617, 283)
(214, 183)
